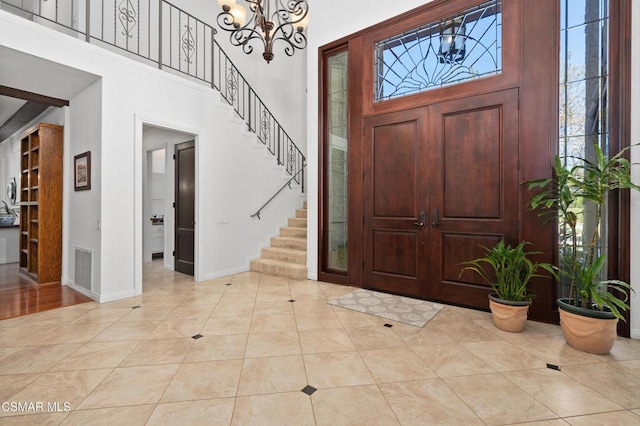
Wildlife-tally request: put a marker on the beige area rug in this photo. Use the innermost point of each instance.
(388, 306)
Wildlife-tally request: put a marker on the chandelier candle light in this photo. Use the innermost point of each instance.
(271, 20)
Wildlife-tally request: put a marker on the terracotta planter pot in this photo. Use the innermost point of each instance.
(587, 330)
(507, 315)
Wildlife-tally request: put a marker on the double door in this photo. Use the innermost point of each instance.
(440, 181)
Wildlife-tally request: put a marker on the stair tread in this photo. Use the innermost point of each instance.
(289, 242)
(294, 227)
(280, 263)
(285, 250)
(299, 237)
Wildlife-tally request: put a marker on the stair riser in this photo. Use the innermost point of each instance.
(281, 271)
(299, 258)
(301, 213)
(297, 222)
(297, 244)
(293, 232)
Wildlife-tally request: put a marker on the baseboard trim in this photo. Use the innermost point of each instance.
(635, 333)
(82, 290)
(117, 296)
(226, 272)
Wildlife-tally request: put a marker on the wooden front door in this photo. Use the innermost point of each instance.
(185, 207)
(396, 202)
(439, 181)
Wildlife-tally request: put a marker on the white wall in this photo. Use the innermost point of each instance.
(82, 209)
(326, 25)
(635, 157)
(234, 175)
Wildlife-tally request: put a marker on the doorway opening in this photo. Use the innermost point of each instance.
(161, 197)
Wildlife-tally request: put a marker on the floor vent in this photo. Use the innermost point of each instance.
(84, 266)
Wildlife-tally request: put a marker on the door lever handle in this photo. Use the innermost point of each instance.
(434, 219)
(422, 218)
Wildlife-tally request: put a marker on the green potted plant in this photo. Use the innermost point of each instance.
(508, 271)
(590, 313)
(8, 213)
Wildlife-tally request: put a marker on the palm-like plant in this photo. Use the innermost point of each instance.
(511, 270)
(588, 181)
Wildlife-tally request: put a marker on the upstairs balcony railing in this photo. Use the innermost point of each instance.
(163, 35)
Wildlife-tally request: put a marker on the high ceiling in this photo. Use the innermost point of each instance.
(36, 76)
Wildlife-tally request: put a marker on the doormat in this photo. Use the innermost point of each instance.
(402, 309)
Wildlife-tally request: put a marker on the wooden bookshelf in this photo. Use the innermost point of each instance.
(41, 204)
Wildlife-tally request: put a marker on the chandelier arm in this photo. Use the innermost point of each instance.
(269, 27)
(240, 36)
(225, 21)
(286, 29)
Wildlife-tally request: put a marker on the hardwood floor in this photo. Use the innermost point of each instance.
(20, 297)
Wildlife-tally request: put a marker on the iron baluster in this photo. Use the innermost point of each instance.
(159, 33)
(87, 24)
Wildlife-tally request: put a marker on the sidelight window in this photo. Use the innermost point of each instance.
(336, 149)
(583, 109)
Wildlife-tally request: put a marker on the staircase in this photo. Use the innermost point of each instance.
(287, 256)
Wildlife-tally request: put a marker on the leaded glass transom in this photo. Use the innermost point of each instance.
(453, 50)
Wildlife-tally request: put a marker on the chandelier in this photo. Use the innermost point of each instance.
(271, 21)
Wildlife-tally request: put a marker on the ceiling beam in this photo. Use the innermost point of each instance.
(32, 97)
(21, 118)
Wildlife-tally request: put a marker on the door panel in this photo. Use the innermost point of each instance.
(458, 248)
(475, 188)
(394, 187)
(185, 207)
(394, 240)
(395, 252)
(471, 149)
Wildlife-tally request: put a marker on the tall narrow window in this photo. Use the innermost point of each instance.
(336, 149)
(583, 114)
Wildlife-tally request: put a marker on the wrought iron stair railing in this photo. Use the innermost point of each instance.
(160, 34)
(257, 213)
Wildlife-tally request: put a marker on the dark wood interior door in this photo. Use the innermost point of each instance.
(475, 184)
(395, 203)
(185, 207)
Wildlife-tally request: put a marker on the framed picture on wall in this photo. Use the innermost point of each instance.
(82, 171)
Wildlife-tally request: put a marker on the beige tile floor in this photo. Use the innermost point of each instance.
(115, 364)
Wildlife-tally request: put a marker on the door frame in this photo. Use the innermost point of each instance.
(138, 193)
(527, 30)
(538, 32)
